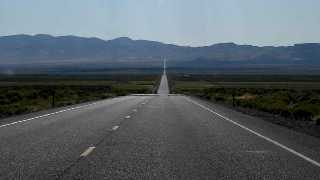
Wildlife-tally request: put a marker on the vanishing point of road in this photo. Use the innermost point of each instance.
(162, 136)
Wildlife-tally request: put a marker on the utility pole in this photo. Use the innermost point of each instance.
(233, 98)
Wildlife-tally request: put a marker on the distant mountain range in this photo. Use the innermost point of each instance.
(46, 50)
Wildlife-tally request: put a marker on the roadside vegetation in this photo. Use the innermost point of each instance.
(293, 99)
(25, 94)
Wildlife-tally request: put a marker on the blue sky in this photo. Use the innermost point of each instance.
(184, 22)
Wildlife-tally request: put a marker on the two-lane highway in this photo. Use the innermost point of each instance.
(155, 137)
(164, 87)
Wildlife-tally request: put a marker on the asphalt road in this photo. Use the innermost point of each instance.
(164, 87)
(153, 137)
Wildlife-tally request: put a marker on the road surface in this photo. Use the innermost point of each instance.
(153, 137)
(163, 87)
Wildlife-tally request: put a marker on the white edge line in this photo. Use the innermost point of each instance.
(45, 115)
(87, 151)
(258, 134)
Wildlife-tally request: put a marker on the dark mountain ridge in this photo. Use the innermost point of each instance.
(50, 50)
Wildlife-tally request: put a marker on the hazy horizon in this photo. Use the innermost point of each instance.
(187, 22)
(279, 45)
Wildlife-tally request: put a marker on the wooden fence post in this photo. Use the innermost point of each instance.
(53, 99)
